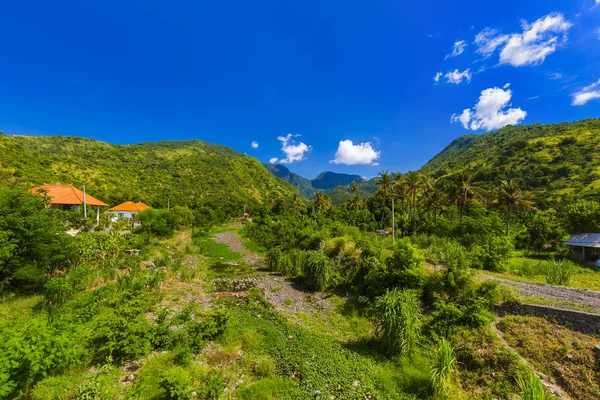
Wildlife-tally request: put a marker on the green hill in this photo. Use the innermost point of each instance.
(330, 180)
(191, 173)
(551, 162)
(303, 185)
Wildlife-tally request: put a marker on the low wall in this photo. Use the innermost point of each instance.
(580, 321)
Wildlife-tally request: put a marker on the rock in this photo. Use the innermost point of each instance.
(355, 384)
(290, 337)
(130, 378)
(570, 356)
(194, 394)
(148, 264)
(317, 393)
(558, 394)
(597, 348)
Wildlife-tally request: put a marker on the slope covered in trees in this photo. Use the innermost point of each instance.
(551, 163)
(191, 173)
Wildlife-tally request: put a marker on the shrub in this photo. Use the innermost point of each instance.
(212, 386)
(297, 259)
(448, 318)
(317, 270)
(185, 216)
(493, 255)
(559, 272)
(57, 291)
(531, 387)
(157, 222)
(399, 320)
(443, 368)
(406, 266)
(264, 367)
(274, 257)
(175, 384)
(456, 277)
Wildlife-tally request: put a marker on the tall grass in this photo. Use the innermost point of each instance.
(399, 315)
(559, 272)
(443, 369)
(317, 269)
(532, 388)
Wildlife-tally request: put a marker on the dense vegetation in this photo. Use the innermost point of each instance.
(213, 180)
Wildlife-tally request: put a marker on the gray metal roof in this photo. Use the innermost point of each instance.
(584, 240)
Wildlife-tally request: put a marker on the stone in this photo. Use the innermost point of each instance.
(570, 356)
(317, 393)
(597, 348)
(290, 337)
(355, 384)
(130, 378)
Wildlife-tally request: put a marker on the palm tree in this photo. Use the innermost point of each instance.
(385, 182)
(511, 197)
(414, 181)
(354, 187)
(321, 201)
(461, 191)
(434, 201)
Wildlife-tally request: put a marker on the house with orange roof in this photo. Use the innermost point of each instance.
(127, 210)
(68, 197)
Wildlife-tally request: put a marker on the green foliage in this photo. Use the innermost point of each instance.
(559, 272)
(157, 222)
(30, 350)
(545, 230)
(175, 384)
(399, 320)
(32, 241)
(494, 254)
(455, 262)
(449, 318)
(317, 269)
(531, 387)
(185, 216)
(443, 369)
(406, 266)
(582, 217)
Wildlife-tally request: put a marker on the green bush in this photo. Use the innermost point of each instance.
(559, 272)
(157, 222)
(493, 255)
(32, 241)
(175, 384)
(317, 270)
(185, 216)
(398, 313)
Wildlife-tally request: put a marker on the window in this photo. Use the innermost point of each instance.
(121, 215)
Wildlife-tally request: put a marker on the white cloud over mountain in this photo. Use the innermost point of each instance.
(349, 153)
(293, 151)
(491, 111)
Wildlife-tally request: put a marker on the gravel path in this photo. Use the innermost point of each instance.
(284, 295)
(557, 293)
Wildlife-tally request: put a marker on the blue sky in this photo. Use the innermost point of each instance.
(347, 86)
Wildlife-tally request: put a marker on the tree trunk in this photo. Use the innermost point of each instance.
(507, 221)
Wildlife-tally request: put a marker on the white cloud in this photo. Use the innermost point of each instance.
(597, 30)
(586, 94)
(530, 47)
(254, 145)
(491, 111)
(293, 151)
(457, 77)
(437, 77)
(457, 48)
(352, 154)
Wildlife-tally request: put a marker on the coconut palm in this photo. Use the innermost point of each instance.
(385, 181)
(321, 201)
(354, 187)
(414, 181)
(511, 197)
(461, 191)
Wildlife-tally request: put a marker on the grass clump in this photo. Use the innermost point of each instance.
(399, 315)
(559, 272)
(443, 368)
(532, 388)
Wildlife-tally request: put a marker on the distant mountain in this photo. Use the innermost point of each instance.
(330, 180)
(326, 181)
(303, 185)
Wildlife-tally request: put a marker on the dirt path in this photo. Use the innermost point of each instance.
(284, 295)
(586, 297)
(546, 381)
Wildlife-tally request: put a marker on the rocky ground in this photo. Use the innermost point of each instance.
(284, 295)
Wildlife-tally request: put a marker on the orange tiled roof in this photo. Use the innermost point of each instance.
(129, 206)
(67, 194)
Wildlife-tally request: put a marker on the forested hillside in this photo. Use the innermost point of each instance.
(301, 183)
(550, 162)
(191, 173)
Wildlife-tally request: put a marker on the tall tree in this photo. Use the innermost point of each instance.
(414, 181)
(461, 191)
(321, 201)
(385, 180)
(511, 197)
